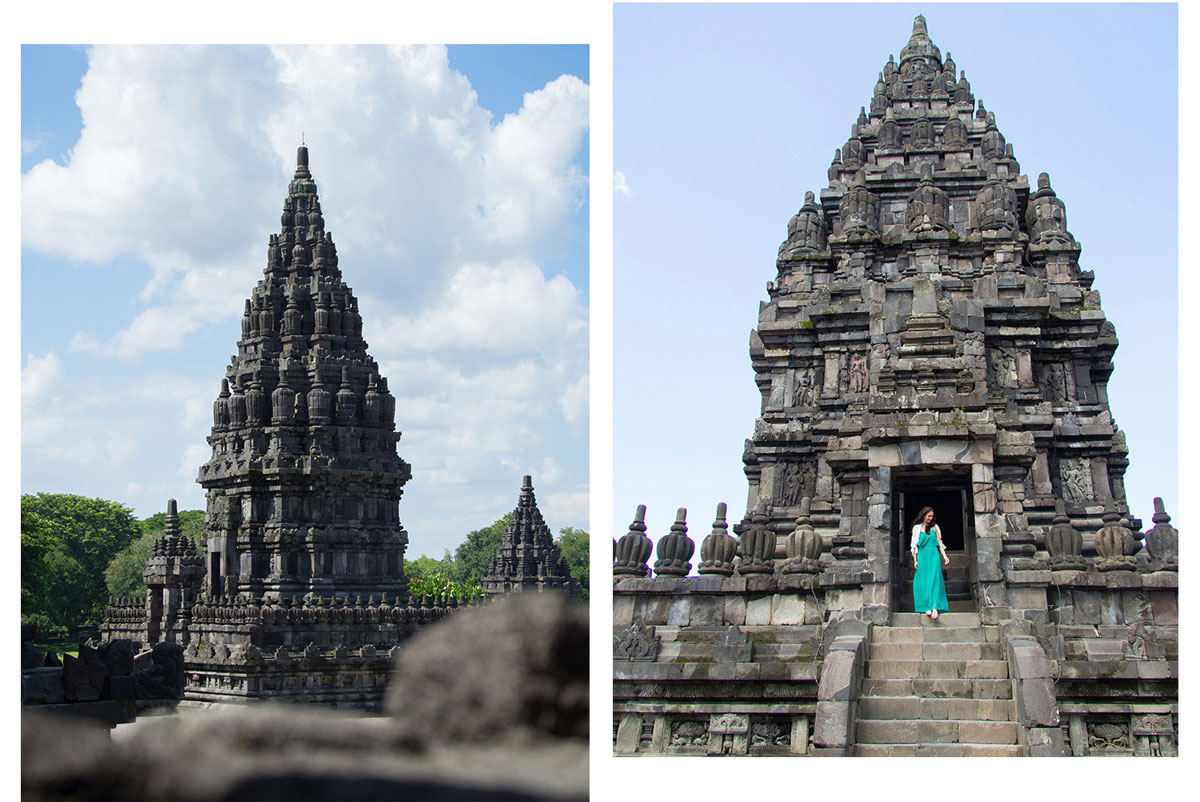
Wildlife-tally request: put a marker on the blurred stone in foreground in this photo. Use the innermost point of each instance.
(518, 666)
(476, 704)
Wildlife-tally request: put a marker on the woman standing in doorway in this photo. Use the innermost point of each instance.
(929, 587)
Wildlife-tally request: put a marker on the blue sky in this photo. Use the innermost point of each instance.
(455, 182)
(725, 115)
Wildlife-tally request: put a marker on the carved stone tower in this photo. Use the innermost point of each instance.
(527, 559)
(173, 576)
(304, 482)
(931, 339)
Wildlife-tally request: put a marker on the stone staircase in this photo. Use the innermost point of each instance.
(936, 688)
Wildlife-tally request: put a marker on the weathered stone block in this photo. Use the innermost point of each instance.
(735, 610)
(706, 611)
(658, 610)
(1165, 607)
(838, 676)
(832, 727)
(1087, 607)
(680, 611)
(622, 610)
(789, 609)
(629, 731)
(1046, 742)
(758, 611)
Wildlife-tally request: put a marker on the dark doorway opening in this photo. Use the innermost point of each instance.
(948, 491)
(947, 511)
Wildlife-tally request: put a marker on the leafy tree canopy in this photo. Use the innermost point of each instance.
(573, 546)
(474, 555)
(67, 542)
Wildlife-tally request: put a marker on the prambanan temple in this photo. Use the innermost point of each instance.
(929, 339)
(301, 593)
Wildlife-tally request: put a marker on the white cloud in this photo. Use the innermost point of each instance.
(38, 376)
(564, 507)
(443, 216)
(509, 308)
(193, 457)
(574, 401)
(619, 185)
(29, 145)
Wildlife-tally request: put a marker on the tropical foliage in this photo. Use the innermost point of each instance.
(67, 541)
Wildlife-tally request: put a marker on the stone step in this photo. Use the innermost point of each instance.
(901, 731)
(935, 635)
(954, 619)
(915, 707)
(937, 750)
(936, 651)
(939, 688)
(937, 669)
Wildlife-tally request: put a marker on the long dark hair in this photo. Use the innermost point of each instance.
(921, 519)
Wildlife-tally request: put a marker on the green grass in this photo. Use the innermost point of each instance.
(57, 647)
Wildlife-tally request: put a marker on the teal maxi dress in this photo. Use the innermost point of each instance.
(929, 587)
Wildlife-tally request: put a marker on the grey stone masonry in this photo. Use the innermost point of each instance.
(304, 482)
(301, 593)
(929, 340)
(527, 558)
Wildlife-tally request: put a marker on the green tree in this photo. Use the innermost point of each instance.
(474, 555)
(430, 577)
(573, 546)
(67, 542)
(123, 576)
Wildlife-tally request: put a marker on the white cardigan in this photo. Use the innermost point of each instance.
(916, 536)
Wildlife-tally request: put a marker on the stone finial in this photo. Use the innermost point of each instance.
(1063, 542)
(920, 45)
(807, 231)
(858, 210)
(1162, 541)
(171, 524)
(675, 549)
(1115, 544)
(997, 207)
(862, 116)
(928, 207)
(221, 407)
(718, 549)
(803, 544)
(757, 545)
(633, 549)
(1046, 216)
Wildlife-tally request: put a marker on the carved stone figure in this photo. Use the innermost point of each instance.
(1003, 365)
(858, 372)
(1075, 480)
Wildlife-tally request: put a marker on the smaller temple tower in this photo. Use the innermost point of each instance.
(173, 575)
(527, 559)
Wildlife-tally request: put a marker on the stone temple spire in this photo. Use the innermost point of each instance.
(527, 559)
(931, 285)
(304, 481)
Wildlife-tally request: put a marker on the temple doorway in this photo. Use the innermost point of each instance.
(948, 492)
